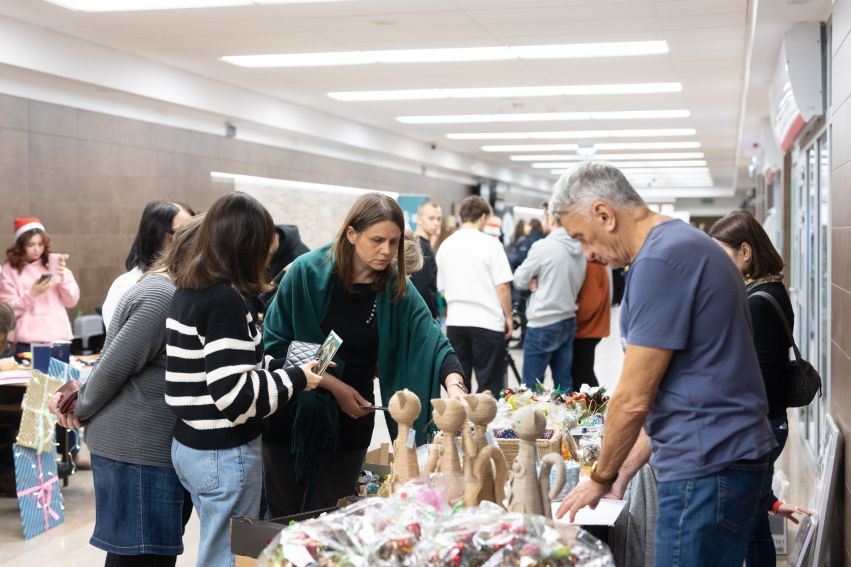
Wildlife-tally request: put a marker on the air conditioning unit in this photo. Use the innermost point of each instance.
(797, 90)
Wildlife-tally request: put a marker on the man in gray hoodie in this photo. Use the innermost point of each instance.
(553, 271)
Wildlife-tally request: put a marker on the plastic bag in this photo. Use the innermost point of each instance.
(779, 484)
(418, 526)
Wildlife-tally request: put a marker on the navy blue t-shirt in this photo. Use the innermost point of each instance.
(683, 293)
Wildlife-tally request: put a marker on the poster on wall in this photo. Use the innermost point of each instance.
(410, 204)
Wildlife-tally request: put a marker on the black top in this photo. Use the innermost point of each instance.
(426, 279)
(349, 316)
(771, 342)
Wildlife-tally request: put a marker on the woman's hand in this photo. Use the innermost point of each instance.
(350, 401)
(60, 266)
(788, 511)
(313, 380)
(68, 421)
(8, 364)
(41, 286)
(454, 389)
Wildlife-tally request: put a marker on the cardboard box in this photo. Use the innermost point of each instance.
(380, 456)
(249, 537)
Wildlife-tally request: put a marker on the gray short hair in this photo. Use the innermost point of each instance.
(593, 181)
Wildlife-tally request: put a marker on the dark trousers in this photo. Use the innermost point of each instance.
(114, 560)
(286, 495)
(583, 362)
(761, 550)
(482, 350)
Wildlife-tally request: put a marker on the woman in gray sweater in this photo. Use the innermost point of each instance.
(129, 427)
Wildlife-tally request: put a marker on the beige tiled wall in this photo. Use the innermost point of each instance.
(88, 176)
(840, 371)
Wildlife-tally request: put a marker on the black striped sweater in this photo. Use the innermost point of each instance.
(218, 381)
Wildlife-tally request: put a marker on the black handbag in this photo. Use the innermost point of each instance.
(802, 380)
(300, 353)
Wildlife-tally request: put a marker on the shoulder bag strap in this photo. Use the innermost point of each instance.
(783, 318)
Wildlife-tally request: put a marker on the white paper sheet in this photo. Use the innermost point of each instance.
(605, 514)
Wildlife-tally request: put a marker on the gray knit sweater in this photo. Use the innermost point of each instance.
(124, 397)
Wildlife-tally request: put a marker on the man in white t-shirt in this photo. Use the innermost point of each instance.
(475, 277)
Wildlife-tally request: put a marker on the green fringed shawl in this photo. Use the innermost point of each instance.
(411, 349)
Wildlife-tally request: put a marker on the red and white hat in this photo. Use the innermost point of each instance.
(25, 225)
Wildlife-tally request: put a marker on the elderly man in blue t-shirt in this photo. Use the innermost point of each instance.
(690, 376)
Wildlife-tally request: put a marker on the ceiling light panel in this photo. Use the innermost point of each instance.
(608, 157)
(140, 5)
(451, 55)
(673, 165)
(573, 134)
(543, 117)
(507, 92)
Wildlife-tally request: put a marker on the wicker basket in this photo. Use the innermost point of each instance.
(510, 447)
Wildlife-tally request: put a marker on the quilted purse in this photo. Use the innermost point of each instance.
(299, 353)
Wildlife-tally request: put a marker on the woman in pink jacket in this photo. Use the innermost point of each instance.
(37, 286)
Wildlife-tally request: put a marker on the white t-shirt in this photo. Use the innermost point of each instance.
(470, 264)
(116, 291)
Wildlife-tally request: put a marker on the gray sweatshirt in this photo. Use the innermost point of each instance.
(558, 263)
(124, 396)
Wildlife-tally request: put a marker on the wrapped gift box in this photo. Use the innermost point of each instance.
(37, 423)
(39, 498)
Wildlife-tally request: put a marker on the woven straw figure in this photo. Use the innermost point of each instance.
(405, 409)
(531, 494)
(449, 416)
(484, 465)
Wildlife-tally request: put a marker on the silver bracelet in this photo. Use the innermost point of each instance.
(460, 384)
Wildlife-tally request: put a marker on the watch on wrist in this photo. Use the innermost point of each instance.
(460, 384)
(599, 479)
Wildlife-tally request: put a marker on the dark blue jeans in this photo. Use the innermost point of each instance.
(551, 345)
(761, 549)
(709, 520)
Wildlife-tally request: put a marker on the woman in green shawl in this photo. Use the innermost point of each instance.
(356, 287)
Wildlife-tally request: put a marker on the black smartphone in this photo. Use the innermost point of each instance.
(45, 277)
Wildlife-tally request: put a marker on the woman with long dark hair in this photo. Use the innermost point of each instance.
(742, 237)
(159, 221)
(219, 381)
(38, 286)
(356, 286)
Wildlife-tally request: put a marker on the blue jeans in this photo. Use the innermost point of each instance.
(224, 484)
(761, 550)
(137, 508)
(551, 345)
(709, 520)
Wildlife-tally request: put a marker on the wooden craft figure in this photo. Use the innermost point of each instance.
(484, 465)
(449, 416)
(531, 494)
(405, 409)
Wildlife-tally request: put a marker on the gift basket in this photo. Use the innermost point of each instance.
(574, 421)
(419, 526)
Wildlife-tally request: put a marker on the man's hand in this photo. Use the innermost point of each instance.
(588, 493)
(509, 327)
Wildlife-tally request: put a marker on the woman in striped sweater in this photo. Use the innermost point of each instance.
(218, 381)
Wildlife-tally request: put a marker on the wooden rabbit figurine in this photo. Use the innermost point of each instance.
(484, 465)
(529, 493)
(449, 416)
(405, 409)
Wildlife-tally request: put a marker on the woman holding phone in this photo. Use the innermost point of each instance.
(38, 286)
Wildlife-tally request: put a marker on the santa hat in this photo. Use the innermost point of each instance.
(26, 225)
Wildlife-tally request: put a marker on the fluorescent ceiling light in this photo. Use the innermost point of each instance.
(139, 5)
(607, 157)
(601, 146)
(658, 180)
(451, 54)
(295, 185)
(675, 171)
(508, 92)
(543, 117)
(573, 134)
(617, 146)
(629, 164)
